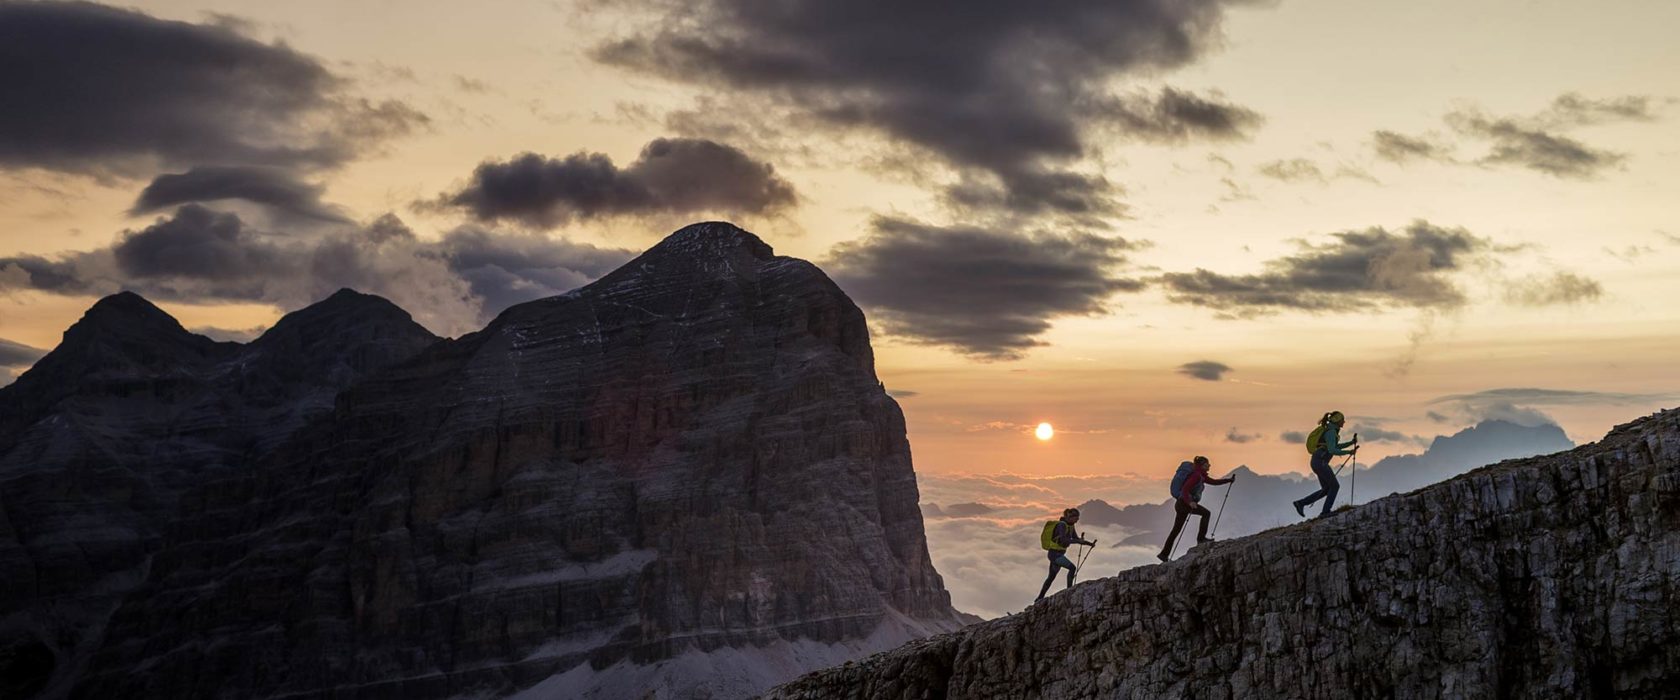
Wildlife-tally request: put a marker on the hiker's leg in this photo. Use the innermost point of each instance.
(1328, 485)
(1201, 534)
(1063, 562)
(1178, 524)
(1320, 467)
(1047, 580)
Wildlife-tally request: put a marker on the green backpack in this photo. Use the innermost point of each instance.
(1315, 438)
(1048, 539)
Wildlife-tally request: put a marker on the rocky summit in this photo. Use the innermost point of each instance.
(1546, 577)
(103, 437)
(682, 480)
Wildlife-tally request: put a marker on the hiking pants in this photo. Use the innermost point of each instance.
(1058, 560)
(1183, 511)
(1327, 485)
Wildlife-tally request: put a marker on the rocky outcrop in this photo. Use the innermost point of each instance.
(683, 479)
(1554, 576)
(99, 440)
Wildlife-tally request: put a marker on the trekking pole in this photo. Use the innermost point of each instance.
(1353, 480)
(1221, 513)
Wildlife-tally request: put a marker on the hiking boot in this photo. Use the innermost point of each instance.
(1302, 510)
(1203, 540)
(1162, 556)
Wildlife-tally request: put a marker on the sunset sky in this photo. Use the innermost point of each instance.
(1167, 228)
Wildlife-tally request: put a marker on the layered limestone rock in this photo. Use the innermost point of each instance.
(667, 481)
(1554, 576)
(102, 436)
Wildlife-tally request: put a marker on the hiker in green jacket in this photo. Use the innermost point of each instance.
(1324, 444)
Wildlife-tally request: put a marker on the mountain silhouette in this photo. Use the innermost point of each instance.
(683, 477)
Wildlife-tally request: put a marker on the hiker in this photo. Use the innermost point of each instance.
(1187, 500)
(1057, 537)
(1324, 443)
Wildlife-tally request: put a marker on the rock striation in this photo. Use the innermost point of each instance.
(682, 480)
(1552, 576)
(99, 440)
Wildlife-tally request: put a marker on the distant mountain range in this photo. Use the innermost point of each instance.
(1262, 501)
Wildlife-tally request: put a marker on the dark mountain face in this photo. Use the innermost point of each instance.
(670, 480)
(100, 439)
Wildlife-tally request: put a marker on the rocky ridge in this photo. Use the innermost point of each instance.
(1552, 576)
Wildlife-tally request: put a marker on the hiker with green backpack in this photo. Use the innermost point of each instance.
(1058, 535)
(1324, 443)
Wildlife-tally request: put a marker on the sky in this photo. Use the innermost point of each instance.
(1167, 228)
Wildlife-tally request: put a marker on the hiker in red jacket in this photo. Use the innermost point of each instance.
(1187, 494)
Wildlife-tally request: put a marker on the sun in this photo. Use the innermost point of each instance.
(1044, 431)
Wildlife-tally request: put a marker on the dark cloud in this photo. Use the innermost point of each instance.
(1293, 170)
(1292, 436)
(1571, 109)
(278, 189)
(15, 354)
(1358, 270)
(507, 269)
(201, 244)
(96, 89)
(1011, 94)
(1240, 438)
(199, 255)
(1395, 436)
(1436, 417)
(1552, 397)
(1176, 116)
(1401, 148)
(679, 176)
(984, 292)
(1533, 141)
(1534, 148)
(1204, 369)
(1520, 404)
(903, 393)
(1551, 290)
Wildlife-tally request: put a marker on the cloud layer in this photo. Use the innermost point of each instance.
(1357, 270)
(103, 90)
(677, 176)
(200, 255)
(1206, 370)
(1008, 93)
(985, 292)
(277, 189)
(1534, 142)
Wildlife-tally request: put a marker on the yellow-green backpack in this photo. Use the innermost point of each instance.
(1314, 438)
(1048, 539)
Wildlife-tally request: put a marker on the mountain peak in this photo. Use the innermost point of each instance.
(124, 315)
(128, 305)
(712, 239)
(346, 313)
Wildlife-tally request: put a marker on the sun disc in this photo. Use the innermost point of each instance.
(1044, 431)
